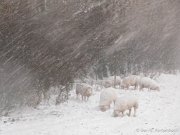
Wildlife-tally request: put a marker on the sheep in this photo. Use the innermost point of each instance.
(84, 90)
(107, 96)
(117, 82)
(132, 80)
(107, 83)
(110, 82)
(149, 83)
(125, 103)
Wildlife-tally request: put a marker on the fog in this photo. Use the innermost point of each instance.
(46, 43)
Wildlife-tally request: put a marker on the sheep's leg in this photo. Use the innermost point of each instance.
(141, 88)
(87, 98)
(135, 112)
(122, 113)
(114, 102)
(135, 87)
(129, 112)
(126, 87)
(82, 98)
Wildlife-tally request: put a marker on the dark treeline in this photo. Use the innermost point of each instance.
(45, 43)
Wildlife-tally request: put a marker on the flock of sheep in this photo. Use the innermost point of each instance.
(107, 96)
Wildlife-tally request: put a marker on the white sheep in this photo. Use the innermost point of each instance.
(107, 96)
(107, 83)
(111, 82)
(149, 83)
(84, 90)
(117, 82)
(132, 80)
(125, 103)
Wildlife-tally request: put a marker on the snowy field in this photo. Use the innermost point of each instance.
(158, 114)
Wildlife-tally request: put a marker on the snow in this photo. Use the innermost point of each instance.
(158, 114)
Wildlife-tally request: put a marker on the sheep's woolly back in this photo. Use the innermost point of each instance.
(118, 80)
(148, 82)
(109, 82)
(131, 80)
(107, 96)
(125, 103)
(83, 89)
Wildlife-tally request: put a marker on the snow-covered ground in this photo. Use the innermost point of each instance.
(158, 114)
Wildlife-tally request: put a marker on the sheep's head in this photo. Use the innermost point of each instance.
(115, 114)
(103, 108)
(123, 86)
(157, 88)
(107, 84)
(88, 92)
